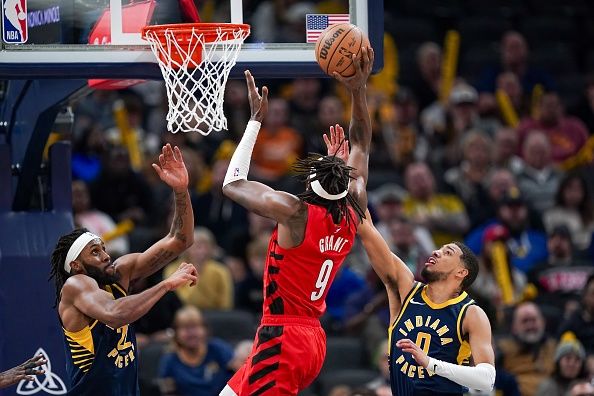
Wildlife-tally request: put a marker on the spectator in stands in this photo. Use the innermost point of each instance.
(330, 112)
(584, 110)
(526, 245)
(367, 313)
(425, 84)
(514, 58)
(566, 134)
(506, 146)
(509, 83)
(443, 214)
(237, 253)
(574, 207)
(528, 353)
(570, 365)
(216, 288)
(129, 197)
(236, 107)
(561, 278)
(489, 283)
(87, 153)
(134, 110)
(346, 284)
(445, 126)
(468, 180)
(401, 143)
(212, 210)
(95, 108)
(95, 221)
(248, 291)
(388, 204)
(381, 361)
(539, 179)
(404, 244)
(278, 145)
(581, 388)
(200, 365)
(581, 322)
(304, 107)
(498, 183)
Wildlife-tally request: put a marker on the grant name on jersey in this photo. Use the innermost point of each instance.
(426, 330)
(328, 243)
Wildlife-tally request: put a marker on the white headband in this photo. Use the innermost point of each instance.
(319, 190)
(77, 247)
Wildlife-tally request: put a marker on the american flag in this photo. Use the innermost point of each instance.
(316, 23)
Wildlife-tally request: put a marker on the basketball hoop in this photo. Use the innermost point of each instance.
(195, 59)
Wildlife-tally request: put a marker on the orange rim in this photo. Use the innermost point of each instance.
(208, 30)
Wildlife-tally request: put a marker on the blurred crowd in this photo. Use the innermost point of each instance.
(502, 160)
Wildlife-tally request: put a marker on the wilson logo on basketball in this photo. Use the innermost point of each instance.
(328, 43)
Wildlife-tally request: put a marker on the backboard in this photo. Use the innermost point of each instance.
(101, 38)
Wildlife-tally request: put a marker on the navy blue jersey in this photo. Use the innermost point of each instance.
(437, 330)
(101, 360)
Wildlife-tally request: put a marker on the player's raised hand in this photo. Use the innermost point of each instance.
(186, 273)
(24, 371)
(337, 144)
(363, 66)
(258, 103)
(417, 353)
(172, 169)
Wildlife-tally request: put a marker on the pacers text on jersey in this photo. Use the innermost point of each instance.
(426, 328)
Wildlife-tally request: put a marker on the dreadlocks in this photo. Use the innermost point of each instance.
(334, 176)
(58, 273)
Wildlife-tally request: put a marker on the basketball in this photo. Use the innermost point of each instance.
(22, 15)
(335, 47)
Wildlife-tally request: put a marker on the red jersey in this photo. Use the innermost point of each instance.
(296, 280)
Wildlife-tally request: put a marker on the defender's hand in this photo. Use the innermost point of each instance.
(363, 67)
(173, 169)
(24, 371)
(186, 273)
(258, 103)
(337, 143)
(417, 353)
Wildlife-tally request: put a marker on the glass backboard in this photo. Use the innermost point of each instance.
(101, 38)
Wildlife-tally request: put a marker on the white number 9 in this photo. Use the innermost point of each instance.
(322, 281)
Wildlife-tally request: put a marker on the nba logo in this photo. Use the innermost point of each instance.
(14, 21)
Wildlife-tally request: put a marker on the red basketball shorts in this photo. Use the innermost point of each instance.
(287, 356)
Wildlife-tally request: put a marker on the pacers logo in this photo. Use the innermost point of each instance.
(14, 21)
(48, 382)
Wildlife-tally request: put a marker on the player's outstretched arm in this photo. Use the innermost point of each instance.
(482, 375)
(391, 270)
(83, 293)
(24, 371)
(172, 170)
(254, 196)
(360, 126)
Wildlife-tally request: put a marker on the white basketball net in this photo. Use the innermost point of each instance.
(195, 90)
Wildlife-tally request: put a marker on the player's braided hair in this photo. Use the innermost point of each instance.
(334, 176)
(58, 273)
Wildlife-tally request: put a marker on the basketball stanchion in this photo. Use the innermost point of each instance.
(195, 60)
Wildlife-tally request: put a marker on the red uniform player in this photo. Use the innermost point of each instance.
(314, 234)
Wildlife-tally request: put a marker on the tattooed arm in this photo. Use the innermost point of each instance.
(172, 171)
